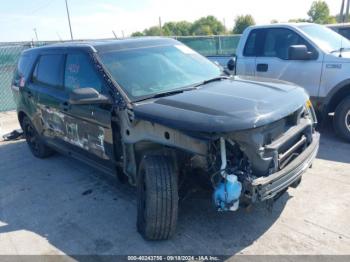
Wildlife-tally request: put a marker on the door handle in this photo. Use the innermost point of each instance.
(64, 106)
(262, 67)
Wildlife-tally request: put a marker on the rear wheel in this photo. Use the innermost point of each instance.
(342, 119)
(157, 205)
(34, 141)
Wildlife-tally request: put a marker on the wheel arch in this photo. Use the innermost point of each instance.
(337, 94)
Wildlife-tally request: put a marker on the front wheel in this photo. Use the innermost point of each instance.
(342, 119)
(157, 202)
(34, 141)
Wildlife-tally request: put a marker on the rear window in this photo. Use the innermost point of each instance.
(49, 70)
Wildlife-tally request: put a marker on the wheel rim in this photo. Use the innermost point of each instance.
(32, 138)
(347, 120)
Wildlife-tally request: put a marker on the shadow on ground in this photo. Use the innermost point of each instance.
(82, 211)
(332, 148)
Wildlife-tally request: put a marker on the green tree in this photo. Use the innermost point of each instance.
(152, 31)
(135, 34)
(207, 26)
(181, 28)
(319, 13)
(298, 20)
(242, 22)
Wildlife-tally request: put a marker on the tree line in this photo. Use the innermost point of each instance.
(318, 13)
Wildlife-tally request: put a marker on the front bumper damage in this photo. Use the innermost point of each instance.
(264, 188)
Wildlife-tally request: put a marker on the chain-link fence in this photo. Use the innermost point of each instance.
(219, 45)
(10, 52)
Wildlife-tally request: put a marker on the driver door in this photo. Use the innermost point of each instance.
(272, 60)
(88, 127)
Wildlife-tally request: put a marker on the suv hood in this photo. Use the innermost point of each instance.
(223, 106)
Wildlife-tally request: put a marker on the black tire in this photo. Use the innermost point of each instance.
(157, 200)
(36, 145)
(341, 119)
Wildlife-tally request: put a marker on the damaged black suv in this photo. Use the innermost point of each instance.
(152, 110)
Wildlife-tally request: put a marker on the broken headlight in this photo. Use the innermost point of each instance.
(309, 112)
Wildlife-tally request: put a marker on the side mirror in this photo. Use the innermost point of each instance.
(299, 52)
(83, 96)
(231, 64)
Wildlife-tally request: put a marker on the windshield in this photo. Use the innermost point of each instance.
(325, 38)
(148, 71)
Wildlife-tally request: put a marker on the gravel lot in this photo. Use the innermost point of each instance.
(60, 206)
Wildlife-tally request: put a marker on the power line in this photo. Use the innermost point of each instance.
(41, 6)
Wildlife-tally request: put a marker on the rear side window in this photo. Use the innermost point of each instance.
(80, 73)
(49, 70)
(250, 47)
(23, 69)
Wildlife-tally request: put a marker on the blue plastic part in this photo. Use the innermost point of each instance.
(226, 195)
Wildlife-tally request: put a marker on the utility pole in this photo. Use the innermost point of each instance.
(160, 26)
(36, 34)
(347, 11)
(344, 16)
(70, 27)
(341, 14)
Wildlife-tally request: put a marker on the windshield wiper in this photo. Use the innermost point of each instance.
(169, 93)
(218, 78)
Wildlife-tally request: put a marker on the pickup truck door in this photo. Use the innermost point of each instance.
(272, 59)
(245, 63)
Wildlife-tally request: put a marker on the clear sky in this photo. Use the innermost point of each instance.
(97, 18)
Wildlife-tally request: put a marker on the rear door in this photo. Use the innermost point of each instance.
(272, 59)
(47, 92)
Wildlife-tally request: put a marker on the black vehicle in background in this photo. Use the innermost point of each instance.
(152, 111)
(342, 29)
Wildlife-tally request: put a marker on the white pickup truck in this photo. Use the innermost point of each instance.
(309, 55)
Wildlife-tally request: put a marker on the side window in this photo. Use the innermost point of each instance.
(49, 70)
(250, 46)
(80, 73)
(278, 41)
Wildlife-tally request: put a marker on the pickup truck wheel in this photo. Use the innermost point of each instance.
(157, 202)
(36, 145)
(342, 119)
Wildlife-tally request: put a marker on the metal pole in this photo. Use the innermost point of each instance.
(70, 27)
(36, 34)
(341, 14)
(347, 11)
(160, 26)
